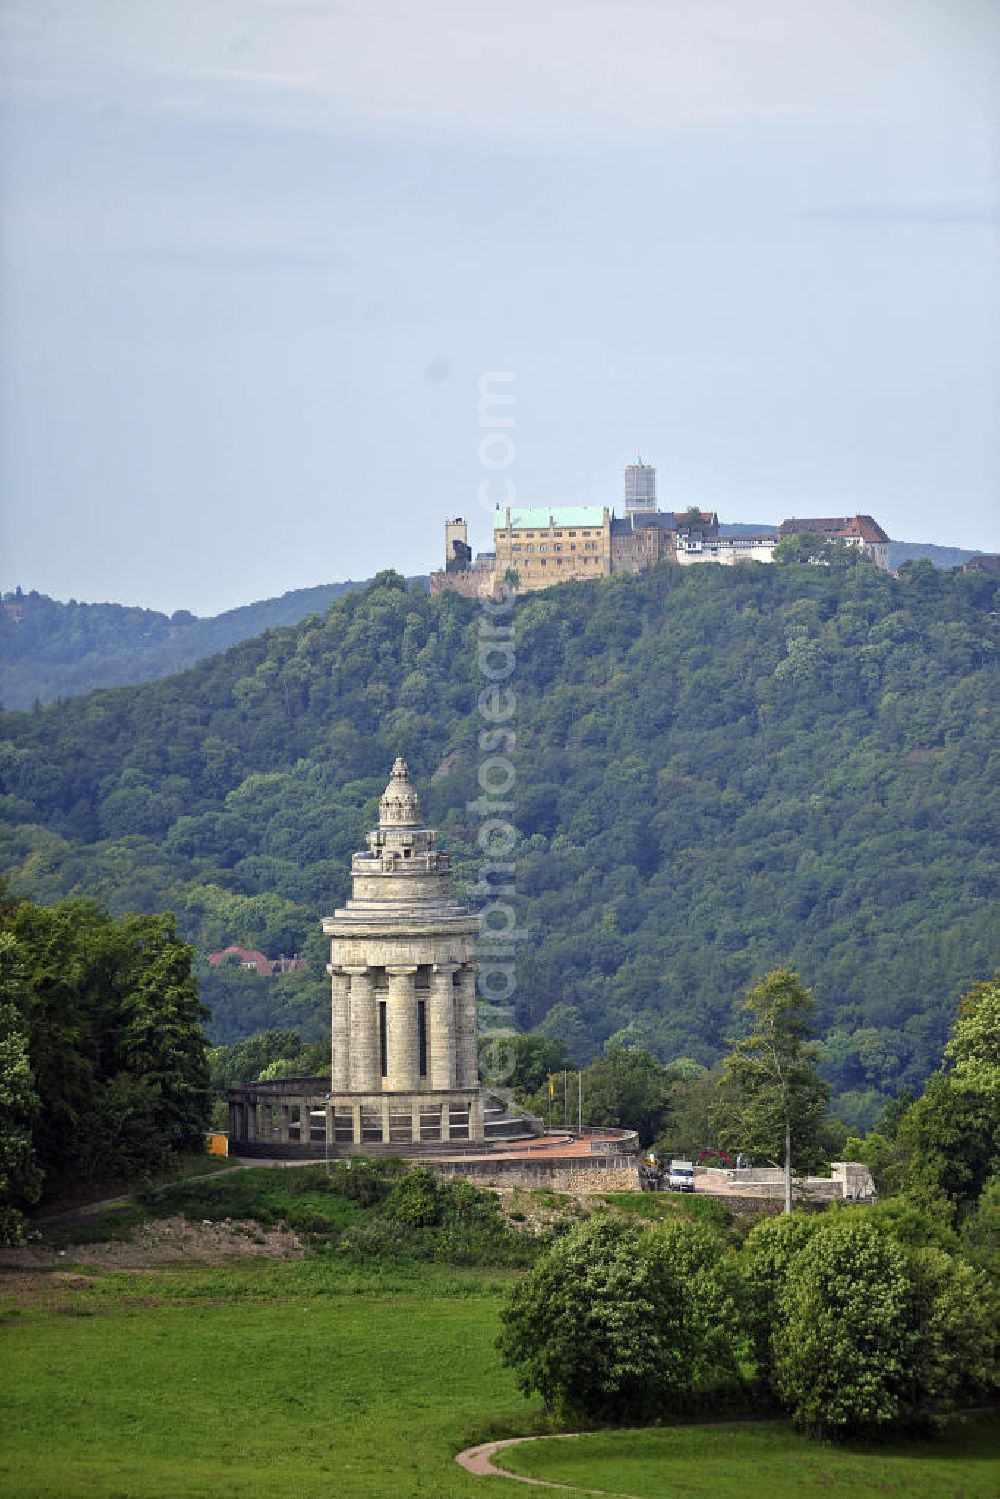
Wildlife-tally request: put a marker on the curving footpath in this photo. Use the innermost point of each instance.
(479, 1461)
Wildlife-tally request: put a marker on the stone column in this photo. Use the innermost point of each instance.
(441, 1039)
(340, 1073)
(365, 1064)
(402, 1046)
(468, 1059)
(250, 1114)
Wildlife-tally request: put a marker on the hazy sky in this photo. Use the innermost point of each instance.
(256, 254)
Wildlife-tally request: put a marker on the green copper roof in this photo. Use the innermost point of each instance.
(539, 516)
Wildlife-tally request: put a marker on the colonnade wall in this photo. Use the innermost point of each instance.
(297, 1117)
(405, 1027)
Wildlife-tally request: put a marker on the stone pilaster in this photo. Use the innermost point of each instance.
(365, 1062)
(340, 1016)
(468, 1058)
(402, 1045)
(441, 1027)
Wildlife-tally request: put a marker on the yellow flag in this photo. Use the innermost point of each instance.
(552, 1087)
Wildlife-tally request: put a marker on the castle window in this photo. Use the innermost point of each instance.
(422, 1035)
(383, 1038)
(516, 547)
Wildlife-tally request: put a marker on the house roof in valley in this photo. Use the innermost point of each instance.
(247, 955)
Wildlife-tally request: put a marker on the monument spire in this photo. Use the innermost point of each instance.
(399, 806)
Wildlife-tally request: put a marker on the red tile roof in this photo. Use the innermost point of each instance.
(848, 525)
(249, 956)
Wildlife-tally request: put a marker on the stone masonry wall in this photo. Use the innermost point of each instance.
(560, 1177)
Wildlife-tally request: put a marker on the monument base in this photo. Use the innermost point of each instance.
(292, 1118)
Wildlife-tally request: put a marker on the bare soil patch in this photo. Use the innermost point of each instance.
(168, 1241)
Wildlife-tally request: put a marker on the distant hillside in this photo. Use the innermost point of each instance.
(717, 770)
(912, 551)
(50, 649)
(899, 551)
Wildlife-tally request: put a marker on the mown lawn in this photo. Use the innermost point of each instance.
(358, 1371)
(769, 1460)
(307, 1379)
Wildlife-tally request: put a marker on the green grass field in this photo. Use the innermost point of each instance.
(307, 1379)
(769, 1460)
(326, 1381)
(360, 1370)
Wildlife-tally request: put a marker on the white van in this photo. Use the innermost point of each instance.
(681, 1178)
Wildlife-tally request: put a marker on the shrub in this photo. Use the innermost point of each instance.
(616, 1323)
(770, 1248)
(953, 1336)
(841, 1342)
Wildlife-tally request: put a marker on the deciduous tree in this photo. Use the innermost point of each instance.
(773, 1099)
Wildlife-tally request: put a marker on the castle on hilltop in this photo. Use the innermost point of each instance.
(537, 546)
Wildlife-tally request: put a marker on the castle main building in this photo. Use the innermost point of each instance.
(538, 546)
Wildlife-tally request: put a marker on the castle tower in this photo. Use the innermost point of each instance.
(640, 488)
(404, 1060)
(457, 552)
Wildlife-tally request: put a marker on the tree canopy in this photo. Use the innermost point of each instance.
(772, 1099)
(104, 1071)
(718, 770)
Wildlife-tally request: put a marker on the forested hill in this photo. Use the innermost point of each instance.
(49, 649)
(718, 770)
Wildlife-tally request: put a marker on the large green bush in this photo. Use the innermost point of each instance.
(616, 1323)
(869, 1335)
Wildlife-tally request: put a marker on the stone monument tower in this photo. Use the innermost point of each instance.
(404, 1066)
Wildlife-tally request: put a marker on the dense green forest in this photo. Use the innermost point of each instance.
(103, 1070)
(50, 649)
(719, 771)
